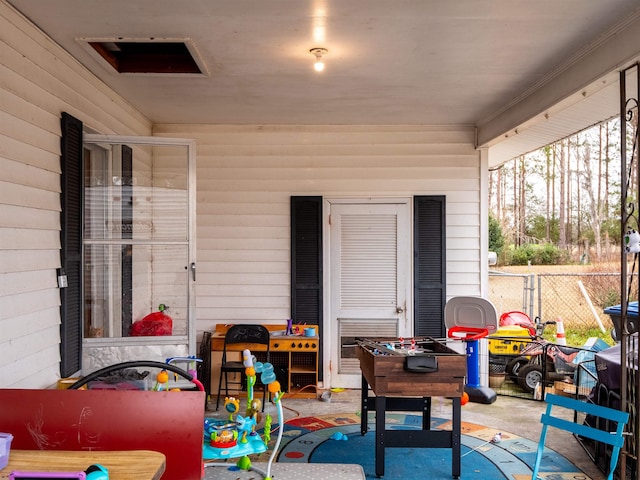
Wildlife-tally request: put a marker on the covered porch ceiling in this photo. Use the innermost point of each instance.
(523, 73)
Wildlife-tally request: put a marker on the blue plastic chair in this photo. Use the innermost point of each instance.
(613, 438)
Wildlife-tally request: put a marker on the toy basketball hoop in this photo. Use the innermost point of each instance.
(467, 333)
(469, 319)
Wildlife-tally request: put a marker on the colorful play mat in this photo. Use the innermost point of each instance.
(337, 439)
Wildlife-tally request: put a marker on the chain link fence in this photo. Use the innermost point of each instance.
(512, 292)
(578, 299)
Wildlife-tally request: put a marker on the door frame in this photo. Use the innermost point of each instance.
(190, 339)
(328, 314)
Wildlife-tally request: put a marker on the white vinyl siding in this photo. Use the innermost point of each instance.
(246, 175)
(245, 178)
(39, 82)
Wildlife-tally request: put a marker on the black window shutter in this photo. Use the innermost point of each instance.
(429, 266)
(306, 260)
(71, 244)
(306, 263)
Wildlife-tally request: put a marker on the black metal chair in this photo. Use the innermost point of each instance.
(239, 337)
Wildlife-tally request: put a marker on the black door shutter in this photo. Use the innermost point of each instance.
(429, 266)
(71, 245)
(306, 263)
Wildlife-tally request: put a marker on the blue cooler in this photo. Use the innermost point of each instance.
(632, 319)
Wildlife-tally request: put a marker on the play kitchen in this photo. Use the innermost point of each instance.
(294, 356)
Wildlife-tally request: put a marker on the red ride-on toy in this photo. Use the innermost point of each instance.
(541, 359)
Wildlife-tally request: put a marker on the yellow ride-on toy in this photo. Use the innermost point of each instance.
(514, 333)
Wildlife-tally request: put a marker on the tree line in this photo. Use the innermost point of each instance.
(566, 194)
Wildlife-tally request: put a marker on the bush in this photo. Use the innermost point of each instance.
(544, 254)
(549, 254)
(520, 255)
(496, 237)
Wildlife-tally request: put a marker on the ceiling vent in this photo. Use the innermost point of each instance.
(151, 56)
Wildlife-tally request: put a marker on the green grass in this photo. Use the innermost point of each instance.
(578, 337)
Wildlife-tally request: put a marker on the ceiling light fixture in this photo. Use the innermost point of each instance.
(318, 52)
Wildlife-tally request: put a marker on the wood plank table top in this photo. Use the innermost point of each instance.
(122, 465)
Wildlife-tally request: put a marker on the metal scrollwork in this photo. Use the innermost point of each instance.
(630, 188)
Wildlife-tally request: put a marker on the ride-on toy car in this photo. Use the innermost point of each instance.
(542, 359)
(514, 333)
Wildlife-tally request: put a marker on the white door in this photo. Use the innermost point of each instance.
(370, 271)
(138, 248)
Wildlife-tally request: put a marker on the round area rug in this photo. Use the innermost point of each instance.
(337, 439)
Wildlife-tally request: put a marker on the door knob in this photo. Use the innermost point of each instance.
(399, 309)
